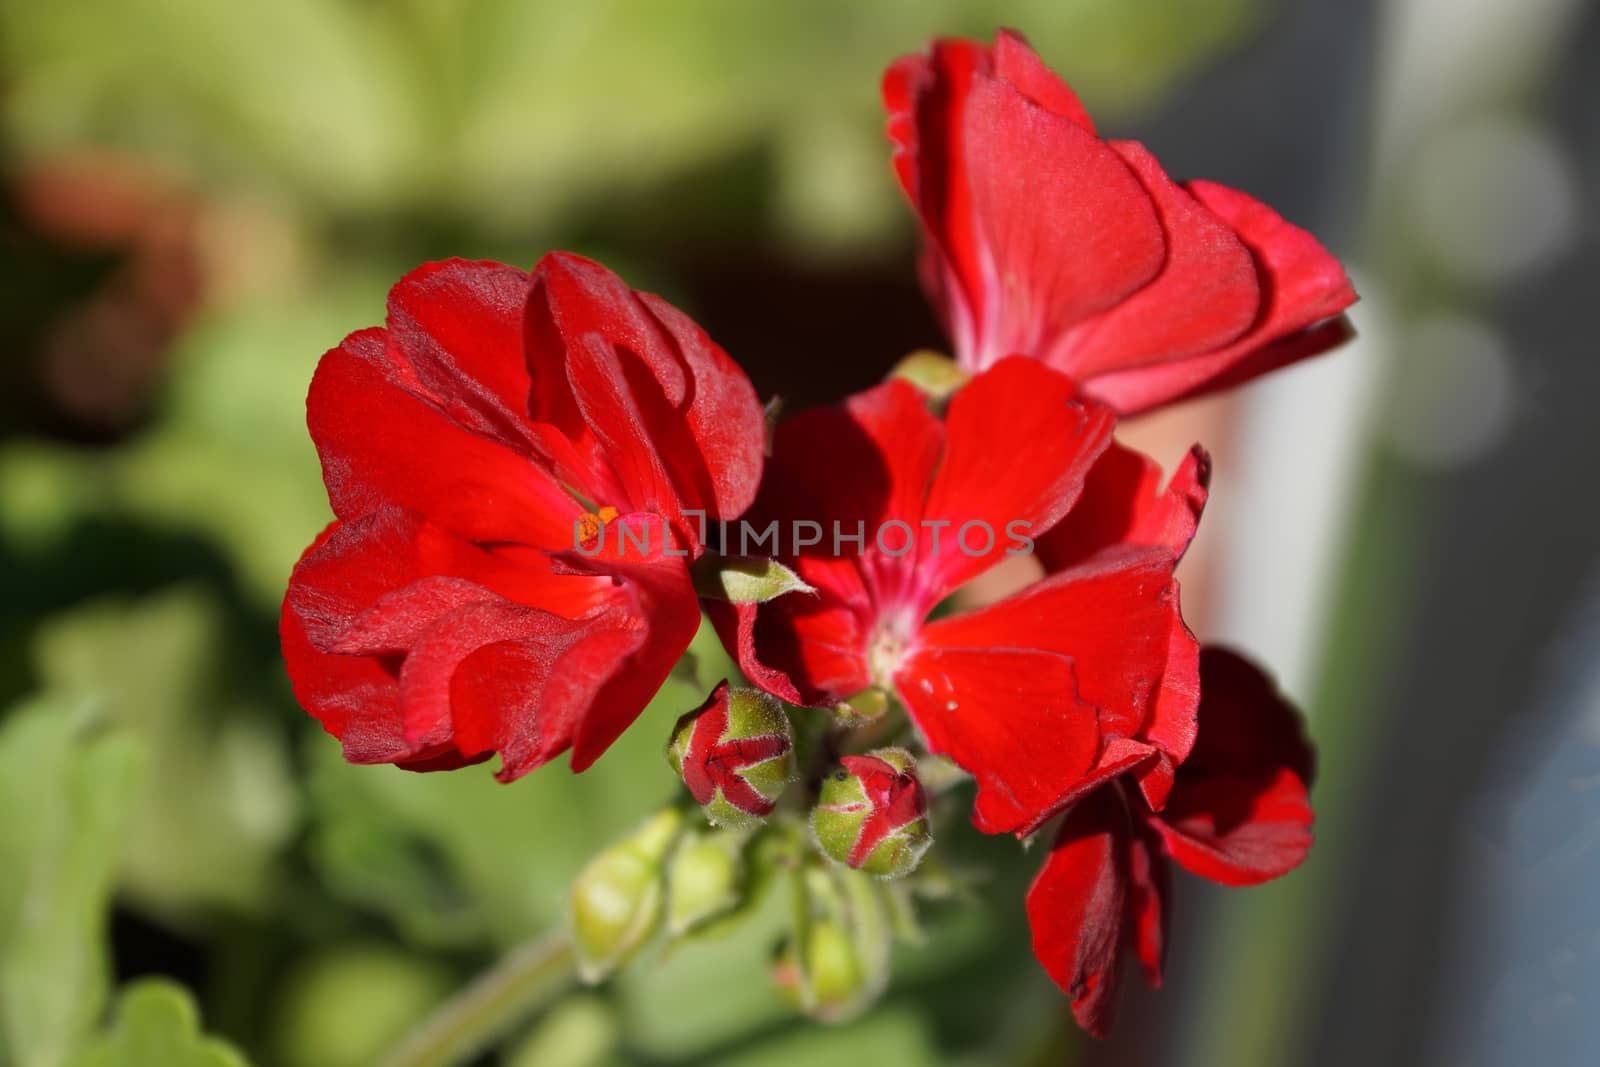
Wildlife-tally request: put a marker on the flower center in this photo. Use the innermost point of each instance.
(888, 647)
(590, 522)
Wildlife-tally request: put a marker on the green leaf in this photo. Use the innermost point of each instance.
(207, 829)
(156, 1025)
(344, 1006)
(460, 859)
(65, 789)
(745, 579)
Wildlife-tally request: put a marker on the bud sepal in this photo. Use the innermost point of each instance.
(872, 814)
(735, 753)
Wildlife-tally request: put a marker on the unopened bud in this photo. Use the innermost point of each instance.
(935, 374)
(873, 815)
(835, 963)
(705, 879)
(736, 754)
(617, 897)
(862, 708)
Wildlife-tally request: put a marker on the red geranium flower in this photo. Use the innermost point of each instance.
(1085, 675)
(1239, 814)
(1041, 239)
(446, 614)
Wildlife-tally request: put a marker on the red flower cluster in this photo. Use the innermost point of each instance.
(447, 614)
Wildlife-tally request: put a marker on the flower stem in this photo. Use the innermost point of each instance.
(463, 1026)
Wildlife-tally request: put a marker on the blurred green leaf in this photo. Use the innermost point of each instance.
(890, 1036)
(345, 1006)
(65, 789)
(460, 858)
(205, 827)
(580, 1031)
(231, 459)
(520, 114)
(156, 1025)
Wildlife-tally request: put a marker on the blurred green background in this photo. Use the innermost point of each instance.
(200, 198)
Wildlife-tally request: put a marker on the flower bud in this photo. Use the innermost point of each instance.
(705, 879)
(935, 374)
(616, 898)
(872, 814)
(866, 706)
(736, 754)
(835, 962)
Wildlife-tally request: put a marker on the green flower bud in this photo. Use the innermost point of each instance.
(835, 962)
(935, 374)
(872, 814)
(705, 879)
(616, 899)
(862, 708)
(736, 754)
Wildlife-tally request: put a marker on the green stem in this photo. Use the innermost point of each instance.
(463, 1026)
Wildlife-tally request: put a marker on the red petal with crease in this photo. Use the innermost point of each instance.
(373, 585)
(1123, 503)
(534, 686)
(1170, 724)
(1108, 624)
(1149, 889)
(1021, 66)
(356, 698)
(1239, 812)
(675, 418)
(1065, 230)
(926, 99)
(1010, 716)
(1302, 285)
(1018, 448)
(458, 325)
(1078, 906)
(858, 464)
(382, 443)
(1206, 295)
(868, 460)
(803, 648)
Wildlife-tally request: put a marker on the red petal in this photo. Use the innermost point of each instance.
(1010, 716)
(1302, 285)
(373, 585)
(848, 468)
(1065, 230)
(387, 622)
(387, 586)
(1170, 724)
(805, 649)
(675, 419)
(1078, 907)
(1018, 64)
(1239, 812)
(926, 99)
(356, 698)
(1032, 223)
(458, 325)
(1018, 723)
(386, 437)
(1123, 503)
(1149, 882)
(1019, 448)
(533, 686)
(1206, 295)
(868, 460)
